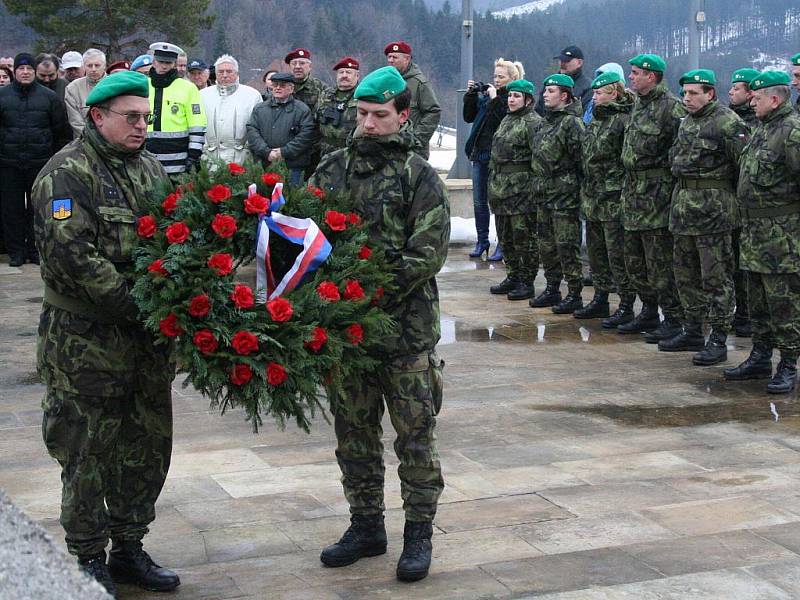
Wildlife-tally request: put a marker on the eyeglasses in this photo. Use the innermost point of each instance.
(133, 117)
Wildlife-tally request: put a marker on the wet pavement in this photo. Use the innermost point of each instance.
(580, 464)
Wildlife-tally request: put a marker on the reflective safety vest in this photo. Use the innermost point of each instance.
(179, 129)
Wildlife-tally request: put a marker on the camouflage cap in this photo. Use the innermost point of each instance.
(605, 79)
(769, 79)
(558, 79)
(381, 85)
(704, 76)
(744, 75)
(521, 85)
(123, 83)
(651, 62)
(796, 60)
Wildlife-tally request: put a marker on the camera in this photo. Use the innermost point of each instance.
(479, 86)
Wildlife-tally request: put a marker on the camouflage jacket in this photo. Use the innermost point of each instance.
(601, 160)
(705, 163)
(405, 204)
(335, 119)
(425, 109)
(510, 175)
(649, 135)
(746, 114)
(556, 159)
(86, 202)
(769, 194)
(310, 92)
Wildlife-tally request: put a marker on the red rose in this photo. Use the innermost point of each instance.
(242, 296)
(256, 205)
(271, 178)
(353, 219)
(316, 191)
(335, 220)
(276, 374)
(200, 306)
(244, 342)
(241, 374)
(236, 169)
(353, 290)
(328, 291)
(365, 252)
(224, 225)
(157, 268)
(146, 227)
(170, 203)
(355, 333)
(319, 338)
(177, 233)
(205, 341)
(280, 310)
(218, 193)
(169, 326)
(221, 262)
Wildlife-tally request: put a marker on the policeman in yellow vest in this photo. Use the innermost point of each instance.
(178, 130)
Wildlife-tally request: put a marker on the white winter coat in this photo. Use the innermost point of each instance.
(227, 119)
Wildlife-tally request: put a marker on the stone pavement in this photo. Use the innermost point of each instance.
(580, 465)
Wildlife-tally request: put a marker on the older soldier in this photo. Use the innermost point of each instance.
(704, 212)
(769, 186)
(740, 96)
(336, 114)
(72, 66)
(108, 406)
(556, 176)
(94, 65)
(646, 196)
(425, 109)
(405, 206)
(228, 105)
(796, 77)
(307, 88)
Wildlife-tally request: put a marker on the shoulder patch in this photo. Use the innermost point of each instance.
(195, 109)
(62, 209)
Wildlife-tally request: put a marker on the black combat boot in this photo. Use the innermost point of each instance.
(129, 563)
(690, 339)
(569, 304)
(549, 297)
(366, 536)
(716, 350)
(647, 320)
(96, 568)
(623, 314)
(742, 326)
(416, 557)
(756, 366)
(596, 309)
(521, 292)
(785, 377)
(504, 286)
(668, 328)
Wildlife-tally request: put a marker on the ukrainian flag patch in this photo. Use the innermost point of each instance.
(62, 209)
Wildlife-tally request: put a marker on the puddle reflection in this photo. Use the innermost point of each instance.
(454, 331)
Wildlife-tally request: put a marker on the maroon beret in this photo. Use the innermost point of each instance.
(348, 62)
(120, 64)
(297, 53)
(397, 47)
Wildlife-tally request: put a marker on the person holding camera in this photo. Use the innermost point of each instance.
(485, 106)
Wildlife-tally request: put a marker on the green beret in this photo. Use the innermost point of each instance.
(521, 85)
(744, 75)
(380, 86)
(705, 76)
(124, 83)
(605, 79)
(796, 60)
(559, 79)
(651, 62)
(769, 79)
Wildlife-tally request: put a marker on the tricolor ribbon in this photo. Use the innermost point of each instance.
(277, 195)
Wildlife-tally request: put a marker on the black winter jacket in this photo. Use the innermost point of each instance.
(33, 125)
(288, 126)
(496, 109)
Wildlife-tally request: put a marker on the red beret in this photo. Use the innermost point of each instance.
(348, 62)
(397, 47)
(297, 53)
(120, 64)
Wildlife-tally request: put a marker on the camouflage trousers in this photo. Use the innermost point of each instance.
(703, 266)
(739, 278)
(411, 388)
(775, 311)
(560, 246)
(648, 260)
(114, 455)
(605, 244)
(517, 237)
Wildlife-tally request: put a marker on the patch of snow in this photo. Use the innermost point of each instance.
(525, 9)
(462, 231)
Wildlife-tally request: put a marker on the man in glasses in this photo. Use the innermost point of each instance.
(108, 406)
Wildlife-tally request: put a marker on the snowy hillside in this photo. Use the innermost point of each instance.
(528, 7)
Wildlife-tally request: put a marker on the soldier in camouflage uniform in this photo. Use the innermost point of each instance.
(768, 192)
(404, 203)
(646, 196)
(704, 212)
(795, 60)
(556, 176)
(601, 187)
(308, 89)
(108, 406)
(336, 115)
(511, 192)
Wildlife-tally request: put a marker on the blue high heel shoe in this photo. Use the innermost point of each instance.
(498, 254)
(480, 248)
